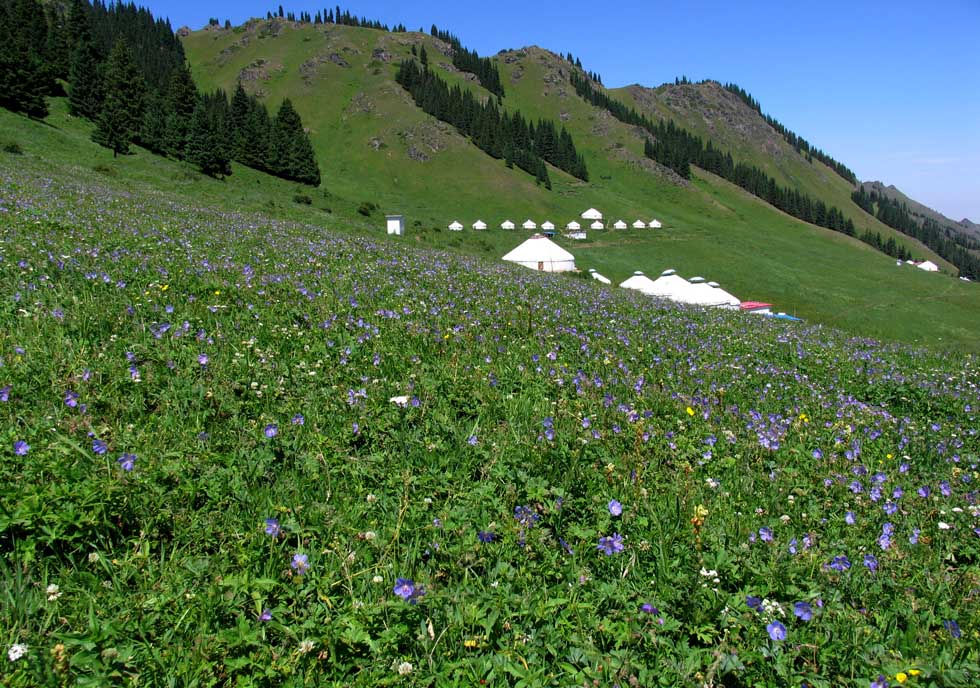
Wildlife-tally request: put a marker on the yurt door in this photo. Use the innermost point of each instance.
(541, 265)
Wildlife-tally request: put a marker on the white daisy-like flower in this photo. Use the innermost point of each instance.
(54, 592)
(16, 651)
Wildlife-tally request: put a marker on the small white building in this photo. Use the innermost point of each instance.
(455, 226)
(548, 226)
(596, 225)
(573, 225)
(530, 224)
(928, 266)
(591, 214)
(541, 253)
(619, 224)
(479, 224)
(395, 224)
(599, 278)
(507, 224)
(576, 234)
(639, 224)
(655, 224)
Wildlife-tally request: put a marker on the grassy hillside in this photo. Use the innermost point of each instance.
(241, 450)
(712, 228)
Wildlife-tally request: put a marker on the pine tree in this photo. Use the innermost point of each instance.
(24, 79)
(292, 153)
(204, 147)
(122, 109)
(181, 100)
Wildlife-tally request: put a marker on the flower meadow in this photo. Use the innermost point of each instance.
(240, 451)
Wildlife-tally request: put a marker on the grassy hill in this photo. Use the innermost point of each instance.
(375, 145)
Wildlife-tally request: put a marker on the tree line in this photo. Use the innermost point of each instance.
(330, 16)
(470, 61)
(126, 72)
(801, 145)
(677, 149)
(503, 136)
(960, 250)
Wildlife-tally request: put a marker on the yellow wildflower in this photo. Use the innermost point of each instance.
(690, 411)
(901, 677)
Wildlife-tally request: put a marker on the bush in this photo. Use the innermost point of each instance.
(367, 208)
(106, 170)
(13, 148)
(302, 199)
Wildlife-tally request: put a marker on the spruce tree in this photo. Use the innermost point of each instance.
(84, 78)
(122, 110)
(24, 79)
(292, 153)
(180, 103)
(204, 148)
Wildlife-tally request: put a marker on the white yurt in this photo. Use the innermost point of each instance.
(530, 224)
(507, 224)
(596, 225)
(548, 226)
(455, 226)
(599, 278)
(655, 224)
(638, 281)
(479, 224)
(573, 225)
(928, 266)
(639, 224)
(730, 300)
(700, 293)
(591, 214)
(619, 224)
(670, 286)
(541, 253)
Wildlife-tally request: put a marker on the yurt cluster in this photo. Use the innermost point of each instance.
(591, 219)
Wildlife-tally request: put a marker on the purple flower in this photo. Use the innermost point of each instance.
(525, 516)
(300, 563)
(849, 518)
(406, 589)
(840, 563)
(953, 628)
(127, 461)
(5, 393)
(765, 534)
(880, 682)
(202, 359)
(266, 615)
(817, 454)
(754, 602)
(871, 562)
(611, 544)
(71, 399)
(914, 537)
(485, 536)
(271, 430)
(21, 448)
(924, 491)
(298, 419)
(776, 630)
(99, 447)
(648, 608)
(803, 611)
(615, 508)
(272, 527)
(471, 440)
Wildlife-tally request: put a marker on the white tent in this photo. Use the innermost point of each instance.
(549, 226)
(530, 224)
(596, 225)
(928, 266)
(619, 224)
(639, 224)
(700, 293)
(456, 226)
(573, 225)
(507, 224)
(600, 278)
(541, 253)
(730, 300)
(655, 224)
(577, 234)
(670, 286)
(638, 281)
(479, 224)
(591, 214)
(395, 224)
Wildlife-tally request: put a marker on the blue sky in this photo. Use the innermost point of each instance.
(892, 89)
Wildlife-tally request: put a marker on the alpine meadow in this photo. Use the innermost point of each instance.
(251, 439)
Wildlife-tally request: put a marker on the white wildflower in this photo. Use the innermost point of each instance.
(369, 535)
(784, 518)
(401, 401)
(306, 646)
(54, 592)
(371, 499)
(16, 651)
(405, 668)
(944, 526)
(377, 579)
(93, 557)
(713, 483)
(771, 608)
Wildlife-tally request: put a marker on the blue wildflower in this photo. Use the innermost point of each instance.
(611, 544)
(127, 461)
(300, 563)
(803, 611)
(615, 508)
(21, 448)
(776, 631)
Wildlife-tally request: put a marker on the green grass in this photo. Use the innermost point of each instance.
(252, 366)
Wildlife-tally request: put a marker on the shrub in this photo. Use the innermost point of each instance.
(106, 170)
(13, 148)
(302, 199)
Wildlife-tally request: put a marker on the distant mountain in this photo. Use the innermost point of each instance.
(920, 211)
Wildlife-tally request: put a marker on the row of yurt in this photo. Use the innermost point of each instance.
(673, 287)
(573, 226)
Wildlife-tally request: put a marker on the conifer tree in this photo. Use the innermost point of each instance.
(292, 153)
(204, 147)
(181, 100)
(121, 113)
(24, 79)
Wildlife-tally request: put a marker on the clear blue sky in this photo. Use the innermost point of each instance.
(892, 89)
